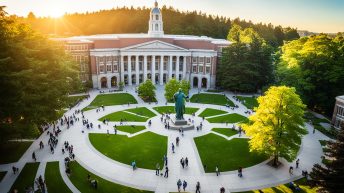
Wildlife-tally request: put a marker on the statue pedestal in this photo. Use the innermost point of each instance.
(181, 124)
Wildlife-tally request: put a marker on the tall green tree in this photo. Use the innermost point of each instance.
(36, 77)
(146, 91)
(329, 177)
(277, 126)
(173, 85)
(246, 64)
(314, 66)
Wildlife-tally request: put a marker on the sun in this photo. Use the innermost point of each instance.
(56, 13)
(55, 10)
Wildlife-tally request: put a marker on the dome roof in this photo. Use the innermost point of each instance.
(155, 10)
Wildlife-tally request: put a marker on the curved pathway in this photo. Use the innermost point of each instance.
(255, 177)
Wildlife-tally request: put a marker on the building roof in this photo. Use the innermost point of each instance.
(155, 10)
(341, 97)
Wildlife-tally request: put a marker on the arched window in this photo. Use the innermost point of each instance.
(156, 27)
(156, 17)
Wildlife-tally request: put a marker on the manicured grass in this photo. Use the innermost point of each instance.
(146, 149)
(227, 155)
(211, 112)
(170, 109)
(131, 129)
(12, 151)
(225, 131)
(285, 188)
(111, 99)
(216, 99)
(53, 179)
(331, 133)
(79, 179)
(249, 102)
(215, 91)
(2, 175)
(26, 177)
(230, 118)
(143, 111)
(120, 115)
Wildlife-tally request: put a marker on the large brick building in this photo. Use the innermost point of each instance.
(108, 59)
(338, 112)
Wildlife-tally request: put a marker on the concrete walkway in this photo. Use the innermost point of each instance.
(255, 177)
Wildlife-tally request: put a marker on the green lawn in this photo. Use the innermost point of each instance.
(131, 128)
(111, 99)
(225, 131)
(284, 188)
(211, 112)
(26, 177)
(249, 102)
(215, 91)
(146, 149)
(230, 118)
(117, 116)
(79, 179)
(170, 109)
(53, 179)
(2, 175)
(331, 133)
(227, 155)
(12, 151)
(143, 111)
(216, 99)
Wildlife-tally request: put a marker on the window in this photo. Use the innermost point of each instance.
(132, 66)
(101, 68)
(156, 27)
(156, 66)
(156, 17)
(208, 60)
(200, 69)
(180, 66)
(201, 60)
(207, 69)
(194, 60)
(126, 66)
(108, 68)
(115, 67)
(108, 58)
(149, 66)
(194, 68)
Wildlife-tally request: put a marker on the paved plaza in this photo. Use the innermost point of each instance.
(255, 177)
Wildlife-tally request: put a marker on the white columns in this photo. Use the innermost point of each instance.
(137, 70)
(144, 68)
(177, 69)
(129, 71)
(184, 67)
(170, 68)
(153, 69)
(199, 81)
(161, 73)
(108, 81)
(122, 68)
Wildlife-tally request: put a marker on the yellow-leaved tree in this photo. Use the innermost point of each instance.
(277, 127)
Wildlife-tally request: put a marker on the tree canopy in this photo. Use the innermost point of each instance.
(314, 66)
(246, 64)
(35, 78)
(276, 128)
(173, 85)
(135, 20)
(146, 91)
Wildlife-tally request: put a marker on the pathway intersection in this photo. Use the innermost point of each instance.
(255, 177)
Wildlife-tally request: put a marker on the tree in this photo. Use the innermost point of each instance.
(313, 65)
(146, 91)
(246, 64)
(329, 177)
(171, 87)
(185, 86)
(121, 85)
(277, 126)
(36, 76)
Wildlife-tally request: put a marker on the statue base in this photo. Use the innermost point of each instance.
(181, 124)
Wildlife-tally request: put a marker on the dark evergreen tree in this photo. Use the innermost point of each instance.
(330, 176)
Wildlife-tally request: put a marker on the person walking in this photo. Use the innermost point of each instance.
(185, 184)
(179, 184)
(240, 172)
(166, 172)
(34, 156)
(177, 141)
(291, 169)
(157, 169)
(222, 190)
(198, 187)
(217, 171)
(172, 148)
(297, 163)
(186, 162)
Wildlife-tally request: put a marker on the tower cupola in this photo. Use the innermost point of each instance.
(156, 26)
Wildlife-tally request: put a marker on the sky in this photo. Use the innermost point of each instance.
(313, 15)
